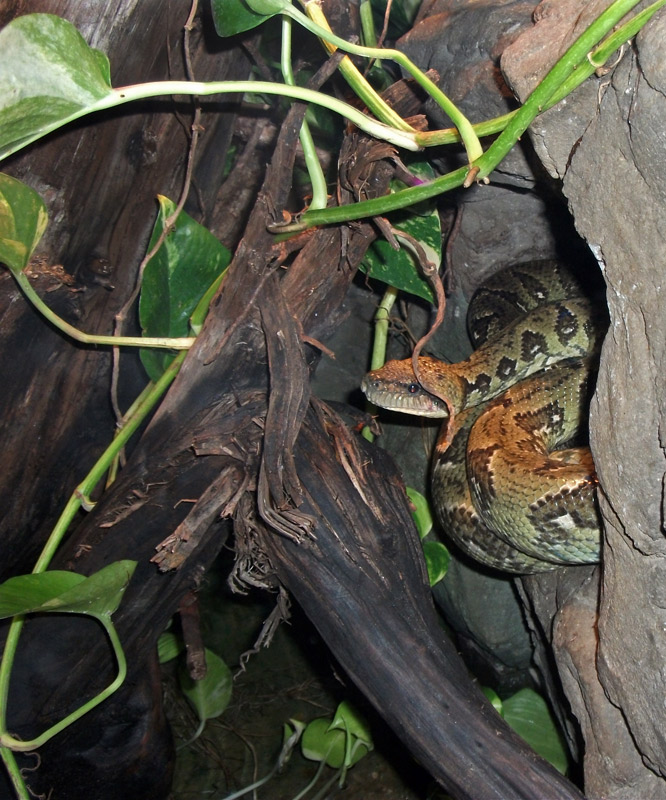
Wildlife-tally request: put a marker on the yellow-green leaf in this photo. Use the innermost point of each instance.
(23, 220)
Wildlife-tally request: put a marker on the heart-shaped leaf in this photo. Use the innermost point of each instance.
(48, 76)
(347, 718)
(421, 512)
(399, 268)
(25, 593)
(169, 646)
(210, 696)
(495, 699)
(175, 279)
(320, 743)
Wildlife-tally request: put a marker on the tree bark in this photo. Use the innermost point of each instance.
(99, 180)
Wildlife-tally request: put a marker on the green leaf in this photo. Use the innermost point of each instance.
(67, 592)
(210, 696)
(48, 75)
(169, 646)
(321, 743)
(495, 699)
(23, 220)
(528, 714)
(421, 512)
(347, 718)
(25, 593)
(267, 6)
(235, 16)
(175, 279)
(99, 595)
(437, 558)
(399, 268)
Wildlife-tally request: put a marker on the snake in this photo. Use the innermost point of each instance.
(513, 482)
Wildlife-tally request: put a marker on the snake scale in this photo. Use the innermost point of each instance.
(508, 486)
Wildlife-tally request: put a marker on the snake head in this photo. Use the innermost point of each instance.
(396, 388)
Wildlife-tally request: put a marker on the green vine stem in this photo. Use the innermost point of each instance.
(326, 788)
(283, 757)
(142, 91)
(367, 20)
(14, 773)
(317, 179)
(126, 94)
(316, 23)
(78, 498)
(18, 745)
(87, 338)
(380, 340)
(314, 781)
(598, 57)
(595, 59)
(382, 317)
(571, 69)
(562, 71)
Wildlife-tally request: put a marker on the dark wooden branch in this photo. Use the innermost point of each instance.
(362, 581)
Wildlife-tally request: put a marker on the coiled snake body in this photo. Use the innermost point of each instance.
(502, 488)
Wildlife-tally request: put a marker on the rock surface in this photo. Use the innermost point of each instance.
(606, 144)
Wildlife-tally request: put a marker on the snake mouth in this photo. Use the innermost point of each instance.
(411, 399)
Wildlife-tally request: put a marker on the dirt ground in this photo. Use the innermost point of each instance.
(296, 677)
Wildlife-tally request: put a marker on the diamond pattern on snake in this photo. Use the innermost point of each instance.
(511, 484)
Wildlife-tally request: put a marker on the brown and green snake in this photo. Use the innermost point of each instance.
(507, 485)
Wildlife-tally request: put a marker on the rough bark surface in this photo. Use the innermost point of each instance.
(99, 180)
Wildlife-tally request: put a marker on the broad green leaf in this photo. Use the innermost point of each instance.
(437, 558)
(67, 592)
(347, 718)
(25, 593)
(421, 513)
(48, 75)
(175, 279)
(528, 714)
(169, 646)
(399, 268)
(321, 743)
(210, 696)
(235, 16)
(23, 220)
(98, 595)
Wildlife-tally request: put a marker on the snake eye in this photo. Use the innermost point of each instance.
(413, 388)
